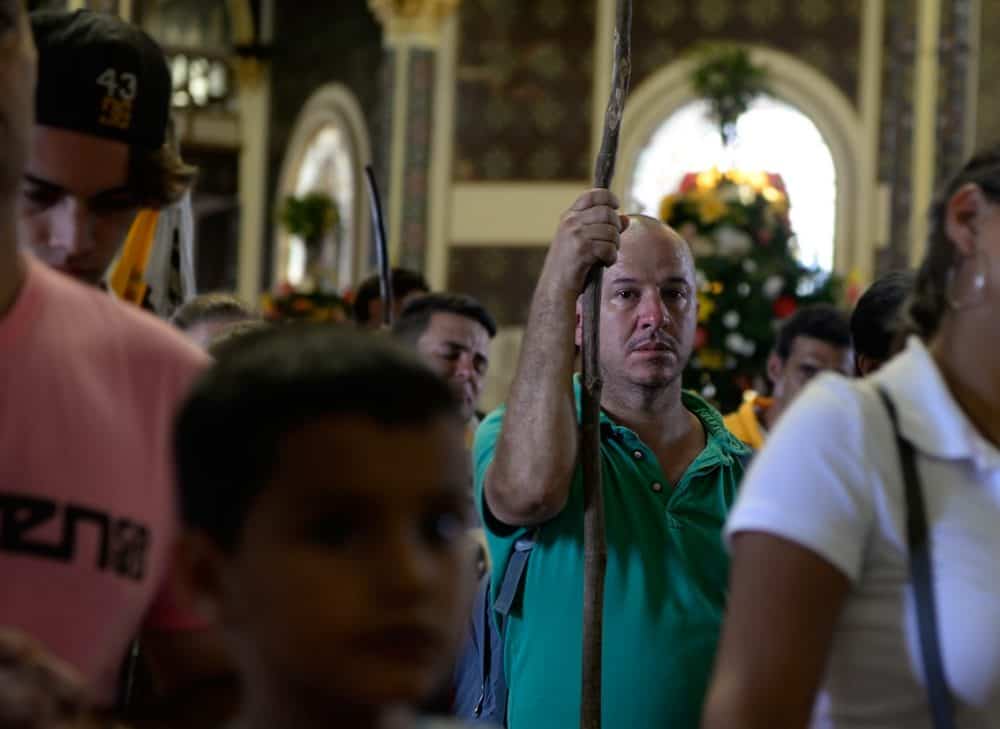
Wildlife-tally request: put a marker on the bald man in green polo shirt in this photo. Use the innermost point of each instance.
(670, 475)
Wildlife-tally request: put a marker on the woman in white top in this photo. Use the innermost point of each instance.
(821, 628)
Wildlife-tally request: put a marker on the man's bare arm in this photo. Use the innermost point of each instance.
(529, 480)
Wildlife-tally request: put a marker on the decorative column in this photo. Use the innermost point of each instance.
(925, 118)
(953, 111)
(899, 134)
(414, 31)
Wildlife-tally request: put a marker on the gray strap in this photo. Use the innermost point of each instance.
(921, 574)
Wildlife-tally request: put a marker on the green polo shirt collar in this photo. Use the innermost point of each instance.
(722, 448)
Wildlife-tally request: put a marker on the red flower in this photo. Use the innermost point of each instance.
(689, 182)
(784, 307)
(700, 337)
(776, 181)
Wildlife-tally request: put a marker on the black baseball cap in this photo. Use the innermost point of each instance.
(99, 75)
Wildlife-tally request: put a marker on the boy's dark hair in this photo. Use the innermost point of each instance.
(417, 315)
(876, 319)
(824, 322)
(228, 434)
(235, 333)
(211, 307)
(404, 282)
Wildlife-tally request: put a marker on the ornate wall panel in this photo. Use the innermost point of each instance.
(524, 90)
(501, 277)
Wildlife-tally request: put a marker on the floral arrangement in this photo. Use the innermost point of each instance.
(748, 276)
(290, 304)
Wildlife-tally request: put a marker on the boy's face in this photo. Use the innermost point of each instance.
(352, 578)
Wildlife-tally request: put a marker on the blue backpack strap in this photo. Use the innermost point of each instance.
(480, 683)
(514, 574)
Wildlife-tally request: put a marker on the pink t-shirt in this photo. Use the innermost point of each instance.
(88, 392)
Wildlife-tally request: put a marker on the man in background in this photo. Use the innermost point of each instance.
(875, 323)
(98, 151)
(452, 333)
(814, 339)
(406, 285)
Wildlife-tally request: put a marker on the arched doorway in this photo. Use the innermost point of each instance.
(772, 136)
(326, 154)
(801, 95)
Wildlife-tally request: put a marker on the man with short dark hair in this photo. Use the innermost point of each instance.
(406, 285)
(875, 322)
(452, 333)
(99, 149)
(814, 339)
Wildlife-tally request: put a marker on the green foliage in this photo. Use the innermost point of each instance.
(730, 81)
(310, 216)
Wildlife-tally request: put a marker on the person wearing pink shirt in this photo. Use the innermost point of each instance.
(88, 392)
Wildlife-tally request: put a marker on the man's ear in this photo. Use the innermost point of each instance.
(961, 217)
(775, 368)
(866, 365)
(199, 574)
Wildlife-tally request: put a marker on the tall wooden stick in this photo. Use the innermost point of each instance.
(595, 540)
(381, 247)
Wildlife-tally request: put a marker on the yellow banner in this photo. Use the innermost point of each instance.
(127, 279)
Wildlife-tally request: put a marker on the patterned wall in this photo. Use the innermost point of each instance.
(419, 115)
(825, 33)
(525, 69)
(896, 119)
(501, 277)
(524, 90)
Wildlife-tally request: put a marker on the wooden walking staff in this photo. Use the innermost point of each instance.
(594, 539)
(381, 247)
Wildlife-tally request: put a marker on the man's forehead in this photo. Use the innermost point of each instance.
(79, 163)
(654, 251)
(454, 325)
(807, 347)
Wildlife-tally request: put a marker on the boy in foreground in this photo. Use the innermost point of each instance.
(324, 479)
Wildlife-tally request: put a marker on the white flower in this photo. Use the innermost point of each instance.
(702, 246)
(731, 319)
(750, 266)
(773, 286)
(738, 344)
(732, 241)
(743, 289)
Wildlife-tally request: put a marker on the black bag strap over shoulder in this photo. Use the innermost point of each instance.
(921, 573)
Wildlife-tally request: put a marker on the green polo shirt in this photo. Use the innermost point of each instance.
(665, 587)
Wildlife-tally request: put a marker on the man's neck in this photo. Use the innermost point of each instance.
(656, 415)
(972, 372)
(12, 265)
(768, 416)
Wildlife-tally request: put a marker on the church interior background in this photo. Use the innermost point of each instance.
(482, 119)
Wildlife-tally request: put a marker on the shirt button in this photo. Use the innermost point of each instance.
(657, 487)
(637, 455)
